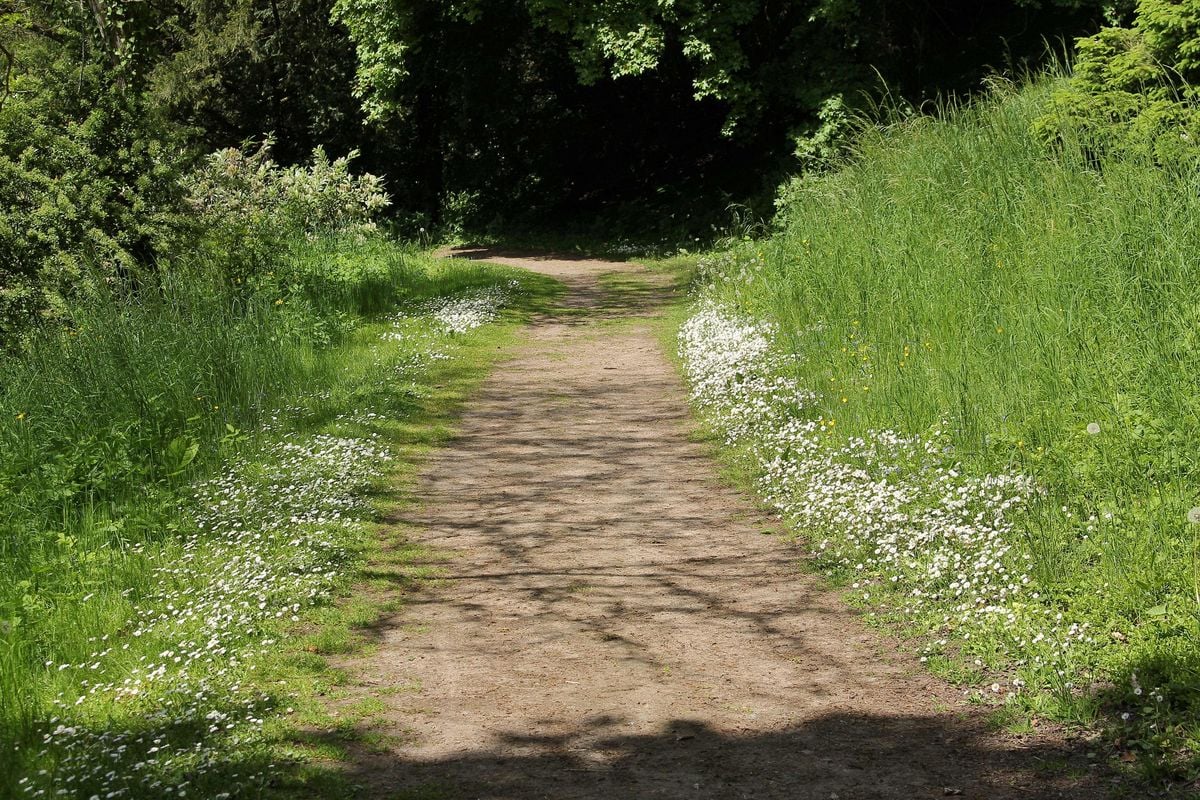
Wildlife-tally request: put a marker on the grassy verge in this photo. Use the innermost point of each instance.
(964, 368)
(191, 476)
(330, 716)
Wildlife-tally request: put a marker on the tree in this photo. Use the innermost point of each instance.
(748, 76)
(1134, 89)
(87, 167)
(242, 69)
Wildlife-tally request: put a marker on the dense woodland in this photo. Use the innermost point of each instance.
(631, 118)
(963, 234)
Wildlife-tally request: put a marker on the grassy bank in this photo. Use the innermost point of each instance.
(189, 474)
(964, 367)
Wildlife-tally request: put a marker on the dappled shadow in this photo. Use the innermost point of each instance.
(500, 253)
(1154, 730)
(597, 289)
(612, 622)
(833, 756)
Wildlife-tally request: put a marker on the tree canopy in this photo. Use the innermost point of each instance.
(488, 111)
(684, 90)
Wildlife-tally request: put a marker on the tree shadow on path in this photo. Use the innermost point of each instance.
(842, 756)
(581, 521)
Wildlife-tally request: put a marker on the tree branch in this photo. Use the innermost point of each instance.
(9, 61)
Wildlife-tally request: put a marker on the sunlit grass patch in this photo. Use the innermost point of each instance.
(184, 661)
(964, 369)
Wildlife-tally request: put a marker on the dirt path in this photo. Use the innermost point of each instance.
(615, 623)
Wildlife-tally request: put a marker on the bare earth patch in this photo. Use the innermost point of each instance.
(615, 624)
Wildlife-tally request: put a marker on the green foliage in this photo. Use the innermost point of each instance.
(1133, 88)
(382, 39)
(618, 40)
(1039, 307)
(249, 207)
(495, 100)
(108, 430)
(243, 69)
(88, 189)
(90, 198)
(95, 193)
(93, 190)
(829, 143)
(630, 38)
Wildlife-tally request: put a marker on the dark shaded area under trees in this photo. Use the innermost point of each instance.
(632, 118)
(513, 113)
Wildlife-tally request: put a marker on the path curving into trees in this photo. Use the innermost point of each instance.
(614, 623)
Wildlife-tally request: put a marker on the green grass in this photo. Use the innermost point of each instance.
(110, 425)
(960, 275)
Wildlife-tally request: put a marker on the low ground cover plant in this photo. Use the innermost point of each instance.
(964, 368)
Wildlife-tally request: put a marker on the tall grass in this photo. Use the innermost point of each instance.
(105, 424)
(1041, 304)
(98, 424)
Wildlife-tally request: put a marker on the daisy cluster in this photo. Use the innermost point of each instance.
(270, 538)
(470, 310)
(175, 751)
(443, 316)
(884, 509)
(424, 347)
(425, 330)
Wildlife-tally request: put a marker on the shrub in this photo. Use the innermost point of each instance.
(1133, 89)
(86, 196)
(249, 207)
(246, 192)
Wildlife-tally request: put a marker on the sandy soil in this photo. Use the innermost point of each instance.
(615, 623)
